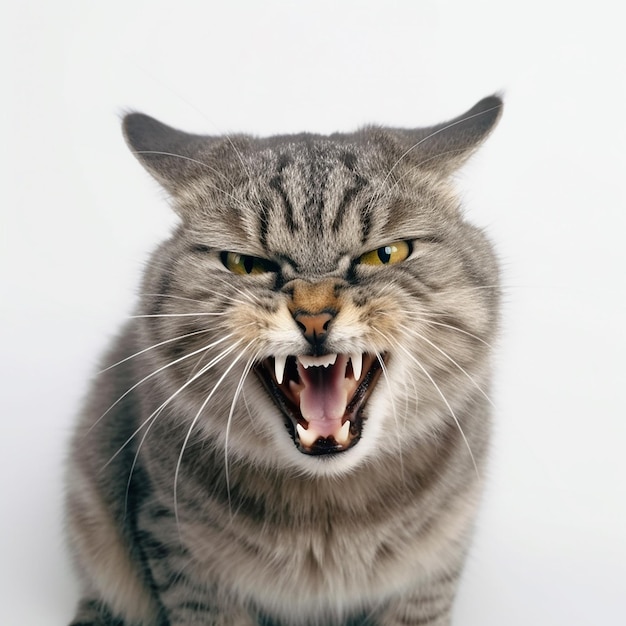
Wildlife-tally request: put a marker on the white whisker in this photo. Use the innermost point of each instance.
(447, 356)
(198, 314)
(441, 394)
(192, 426)
(202, 356)
(393, 410)
(152, 419)
(154, 373)
(242, 379)
(173, 297)
(152, 347)
(455, 328)
(158, 410)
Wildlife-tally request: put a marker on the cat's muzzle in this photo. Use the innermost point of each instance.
(322, 397)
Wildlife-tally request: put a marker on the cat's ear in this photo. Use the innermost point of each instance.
(173, 157)
(445, 147)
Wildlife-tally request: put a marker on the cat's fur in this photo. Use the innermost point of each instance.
(190, 500)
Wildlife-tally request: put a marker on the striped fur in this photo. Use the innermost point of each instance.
(192, 497)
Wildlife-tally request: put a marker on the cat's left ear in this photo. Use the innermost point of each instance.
(445, 147)
(173, 157)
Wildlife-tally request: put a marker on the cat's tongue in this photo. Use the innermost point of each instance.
(324, 397)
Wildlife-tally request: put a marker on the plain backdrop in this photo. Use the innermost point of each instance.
(79, 216)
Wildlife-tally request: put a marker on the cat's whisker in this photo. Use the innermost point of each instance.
(215, 296)
(164, 404)
(194, 421)
(153, 346)
(430, 322)
(253, 423)
(383, 367)
(173, 297)
(209, 297)
(203, 355)
(198, 314)
(252, 297)
(417, 362)
(414, 333)
(152, 419)
(425, 319)
(236, 395)
(215, 360)
(155, 373)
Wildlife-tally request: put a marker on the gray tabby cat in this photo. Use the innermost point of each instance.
(292, 429)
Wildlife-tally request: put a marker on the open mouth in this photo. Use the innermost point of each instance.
(321, 397)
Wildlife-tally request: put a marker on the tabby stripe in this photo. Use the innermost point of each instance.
(173, 578)
(152, 547)
(160, 512)
(366, 223)
(349, 160)
(349, 194)
(195, 606)
(276, 184)
(264, 225)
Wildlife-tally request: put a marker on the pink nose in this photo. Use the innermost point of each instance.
(314, 327)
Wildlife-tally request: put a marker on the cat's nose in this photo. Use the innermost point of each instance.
(314, 327)
(313, 306)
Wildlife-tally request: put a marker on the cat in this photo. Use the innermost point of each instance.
(292, 430)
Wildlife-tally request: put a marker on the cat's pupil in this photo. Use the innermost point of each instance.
(248, 264)
(384, 254)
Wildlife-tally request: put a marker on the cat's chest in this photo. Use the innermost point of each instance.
(306, 552)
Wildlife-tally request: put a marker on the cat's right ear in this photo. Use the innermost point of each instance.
(173, 157)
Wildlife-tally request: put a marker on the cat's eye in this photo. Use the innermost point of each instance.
(246, 264)
(387, 255)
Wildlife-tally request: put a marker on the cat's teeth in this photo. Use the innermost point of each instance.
(279, 368)
(357, 365)
(317, 361)
(344, 433)
(307, 438)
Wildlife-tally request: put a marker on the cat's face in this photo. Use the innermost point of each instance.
(323, 301)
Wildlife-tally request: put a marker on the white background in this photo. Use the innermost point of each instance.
(79, 217)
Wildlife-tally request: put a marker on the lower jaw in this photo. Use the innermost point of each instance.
(327, 445)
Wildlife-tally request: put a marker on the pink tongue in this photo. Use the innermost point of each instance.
(325, 396)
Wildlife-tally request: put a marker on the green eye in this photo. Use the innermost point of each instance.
(246, 264)
(387, 255)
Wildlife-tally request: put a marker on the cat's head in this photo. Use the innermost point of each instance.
(323, 301)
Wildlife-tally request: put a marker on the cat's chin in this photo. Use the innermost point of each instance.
(322, 398)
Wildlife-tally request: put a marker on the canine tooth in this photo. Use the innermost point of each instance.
(306, 438)
(279, 368)
(357, 365)
(317, 361)
(344, 433)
